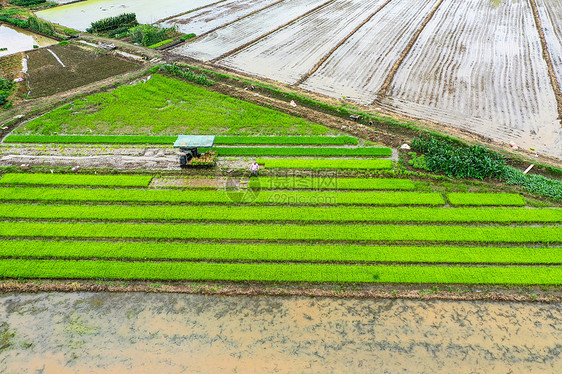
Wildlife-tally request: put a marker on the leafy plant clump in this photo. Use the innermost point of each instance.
(41, 26)
(6, 87)
(123, 21)
(459, 161)
(148, 35)
(417, 161)
(15, 21)
(26, 2)
(534, 183)
(188, 36)
(187, 74)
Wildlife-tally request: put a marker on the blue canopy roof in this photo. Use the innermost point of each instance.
(194, 141)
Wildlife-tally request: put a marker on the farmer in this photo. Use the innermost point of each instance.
(254, 169)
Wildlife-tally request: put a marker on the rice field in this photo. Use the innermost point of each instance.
(76, 229)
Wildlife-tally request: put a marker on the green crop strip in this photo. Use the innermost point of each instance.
(486, 199)
(77, 180)
(154, 139)
(204, 196)
(334, 183)
(276, 213)
(276, 252)
(313, 152)
(385, 233)
(278, 272)
(325, 164)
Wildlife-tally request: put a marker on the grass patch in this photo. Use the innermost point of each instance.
(314, 152)
(278, 272)
(154, 139)
(308, 233)
(167, 106)
(281, 214)
(326, 164)
(335, 183)
(486, 199)
(77, 180)
(204, 196)
(277, 252)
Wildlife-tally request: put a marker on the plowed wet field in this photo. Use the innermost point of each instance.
(172, 333)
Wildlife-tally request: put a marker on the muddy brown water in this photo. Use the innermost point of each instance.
(173, 333)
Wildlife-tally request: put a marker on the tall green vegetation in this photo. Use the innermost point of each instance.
(125, 20)
(6, 87)
(27, 2)
(478, 162)
(459, 161)
(41, 26)
(149, 34)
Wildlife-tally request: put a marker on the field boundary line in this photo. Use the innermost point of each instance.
(405, 52)
(331, 52)
(245, 45)
(548, 59)
(189, 11)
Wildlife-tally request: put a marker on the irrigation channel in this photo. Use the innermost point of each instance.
(172, 333)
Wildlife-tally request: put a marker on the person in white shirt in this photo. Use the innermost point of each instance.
(254, 169)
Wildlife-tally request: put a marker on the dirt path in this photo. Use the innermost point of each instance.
(148, 333)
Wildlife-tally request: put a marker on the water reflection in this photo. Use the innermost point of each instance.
(18, 40)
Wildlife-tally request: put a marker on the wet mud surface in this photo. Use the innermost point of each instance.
(172, 333)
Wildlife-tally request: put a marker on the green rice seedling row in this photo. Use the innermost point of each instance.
(334, 183)
(155, 139)
(277, 213)
(306, 233)
(277, 252)
(224, 197)
(312, 152)
(325, 164)
(486, 199)
(13, 268)
(77, 180)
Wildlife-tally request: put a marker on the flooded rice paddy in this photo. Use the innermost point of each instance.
(80, 15)
(172, 333)
(477, 65)
(19, 40)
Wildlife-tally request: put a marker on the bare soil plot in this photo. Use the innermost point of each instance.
(550, 12)
(478, 66)
(215, 15)
(359, 67)
(292, 51)
(244, 31)
(47, 76)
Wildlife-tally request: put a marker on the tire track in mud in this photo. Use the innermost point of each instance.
(547, 59)
(245, 45)
(392, 73)
(327, 55)
(189, 11)
(237, 19)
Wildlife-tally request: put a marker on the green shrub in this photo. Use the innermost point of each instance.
(417, 161)
(127, 20)
(149, 34)
(6, 87)
(64, 42)
(459, 161)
